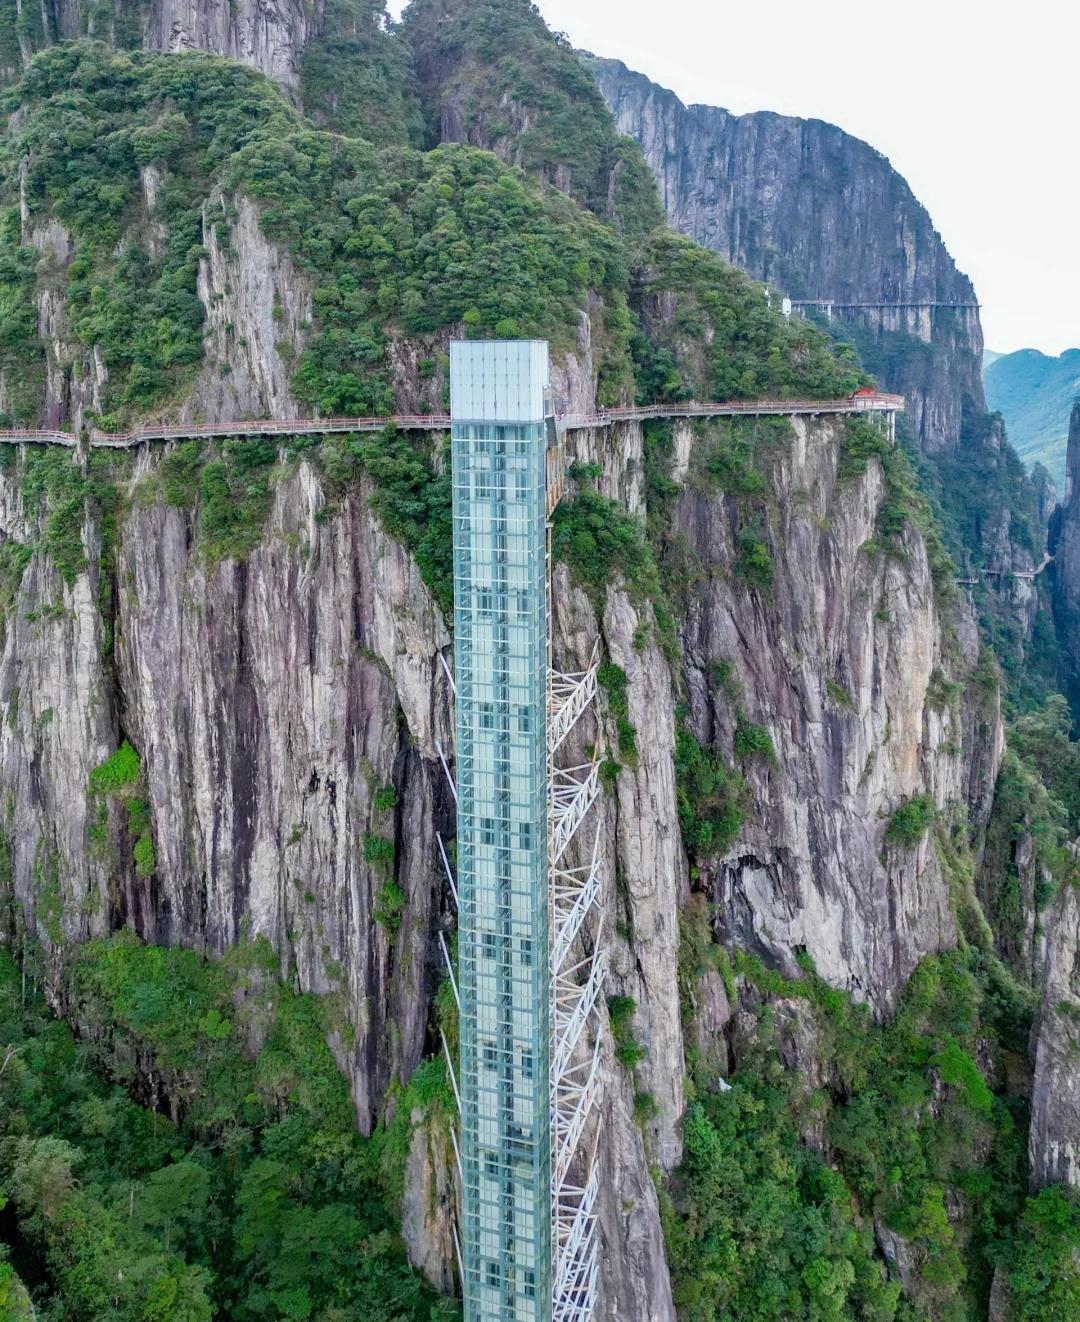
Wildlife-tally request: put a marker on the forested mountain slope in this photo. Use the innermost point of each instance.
(832, 883)
(1035, 393)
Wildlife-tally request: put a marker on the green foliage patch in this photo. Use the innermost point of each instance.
(712, 799)
(753, 562)
(390, 906)
(120, 777)
(765, 1225)
(261, 1202)
(600, 541)
(523, 89)
(118, 774)
(612, 679)
(628, 1051)
(911, 821)
(754, 741)
(1044, 1275)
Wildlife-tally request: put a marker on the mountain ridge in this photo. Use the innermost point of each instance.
(1034, 392)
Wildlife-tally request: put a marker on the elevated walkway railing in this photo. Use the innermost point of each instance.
(241, 428)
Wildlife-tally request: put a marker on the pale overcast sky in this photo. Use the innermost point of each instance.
(974, 101)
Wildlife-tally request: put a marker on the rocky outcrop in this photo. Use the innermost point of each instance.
(820, 215)
(1054, 1143)
(58, 726)
(840, 661)
(258, 310)
(429, 1201)
(268, 35)
(837, 661)
(1046, 492)
(1025, 948)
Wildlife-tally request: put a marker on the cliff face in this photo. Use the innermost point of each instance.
(271, 701)
(839, 667)
(268, 35)
(819, 214)
(1054, 1147)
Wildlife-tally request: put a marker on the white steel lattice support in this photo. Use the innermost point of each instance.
(571, 793)
(577, 977)
(569, 697)
(574, 891)
(575, 1095)
(574, 1292)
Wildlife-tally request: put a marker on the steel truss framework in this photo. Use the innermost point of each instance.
(551, 1271)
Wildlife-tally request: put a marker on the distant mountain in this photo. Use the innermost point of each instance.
(1034, 394)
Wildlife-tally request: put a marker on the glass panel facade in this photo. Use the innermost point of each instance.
(500, 596)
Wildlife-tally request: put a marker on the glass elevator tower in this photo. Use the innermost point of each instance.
(500, 622)
(526, 1078)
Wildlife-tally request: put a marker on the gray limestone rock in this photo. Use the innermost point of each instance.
(818, 214)
(1054, 1141)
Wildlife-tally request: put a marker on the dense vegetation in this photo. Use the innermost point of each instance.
(357, 77)
(519, 90)
(401, 242)
(771, 1213)
(725, 341)
(252, 1198)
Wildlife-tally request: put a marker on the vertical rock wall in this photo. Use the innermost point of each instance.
(268, 35)
(271, 701)
(1054, 1142)
(819, 214)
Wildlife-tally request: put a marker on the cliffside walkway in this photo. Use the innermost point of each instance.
(1028, 574)
(1048, 559)
(865, 402)
(838, 306)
